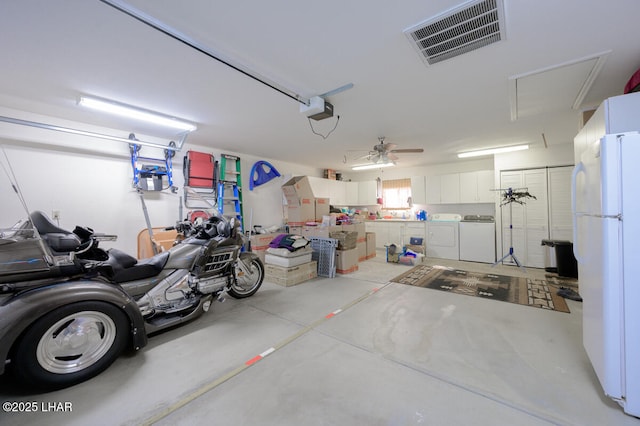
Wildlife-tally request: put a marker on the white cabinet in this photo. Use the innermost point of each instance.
(418, 190)
(319, 186)
(337, 192)
(367, 193)
(396, 232)
(351, 194)
(382, 233)
(450, 188)
(476, 187)
(433, 189)
(345, 193)
(486, 186)
(415, 229)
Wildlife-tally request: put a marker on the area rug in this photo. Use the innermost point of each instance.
(523, 291)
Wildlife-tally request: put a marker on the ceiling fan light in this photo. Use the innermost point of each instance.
(492, 151)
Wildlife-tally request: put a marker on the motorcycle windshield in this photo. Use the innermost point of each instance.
(21, 250)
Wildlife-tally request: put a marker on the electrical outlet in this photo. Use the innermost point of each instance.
(55, 214)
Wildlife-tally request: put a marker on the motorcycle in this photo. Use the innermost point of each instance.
(68, 308)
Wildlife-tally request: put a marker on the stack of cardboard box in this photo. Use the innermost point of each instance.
(304, 211)
(302, 206)
(287, 268)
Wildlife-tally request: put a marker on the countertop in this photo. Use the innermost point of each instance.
(395, 220)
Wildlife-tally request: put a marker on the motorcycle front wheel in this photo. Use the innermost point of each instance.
(248, 280)
(70, 344)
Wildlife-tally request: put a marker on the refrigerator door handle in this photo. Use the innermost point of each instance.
(579, 168)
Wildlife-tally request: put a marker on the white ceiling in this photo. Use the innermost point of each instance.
(54, 51)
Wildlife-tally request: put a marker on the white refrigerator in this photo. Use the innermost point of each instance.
(606, 209)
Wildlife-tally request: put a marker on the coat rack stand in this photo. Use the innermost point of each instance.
(511, 196)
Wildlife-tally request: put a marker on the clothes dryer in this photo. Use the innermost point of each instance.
(442, 236)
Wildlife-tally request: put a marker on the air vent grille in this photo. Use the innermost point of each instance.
(464, 29)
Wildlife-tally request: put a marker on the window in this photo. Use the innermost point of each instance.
(396, 194)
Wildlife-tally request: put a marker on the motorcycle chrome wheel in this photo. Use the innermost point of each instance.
(248, 280)
(76, 342)
(70, 344)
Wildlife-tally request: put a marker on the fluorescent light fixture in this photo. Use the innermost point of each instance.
(116, 108)
(372, 166)
(493, 151)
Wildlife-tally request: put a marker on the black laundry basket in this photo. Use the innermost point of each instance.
(559, 258)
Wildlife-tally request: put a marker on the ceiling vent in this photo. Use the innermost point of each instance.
(466, 28)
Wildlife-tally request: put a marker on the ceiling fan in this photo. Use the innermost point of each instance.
(386, 152)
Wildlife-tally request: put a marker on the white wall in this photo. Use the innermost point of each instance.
(89, 181)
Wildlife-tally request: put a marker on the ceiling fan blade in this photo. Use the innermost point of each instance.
(392, 157)
(406, 150)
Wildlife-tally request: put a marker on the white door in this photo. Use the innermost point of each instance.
(512, 219)
(560, 222)
(536, 216)
(526, 223)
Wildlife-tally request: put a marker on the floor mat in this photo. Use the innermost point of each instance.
(523, 291)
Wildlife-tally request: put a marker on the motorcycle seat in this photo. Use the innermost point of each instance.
(128, 268)
(58, 239)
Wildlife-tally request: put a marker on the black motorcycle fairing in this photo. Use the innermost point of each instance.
(127, 268)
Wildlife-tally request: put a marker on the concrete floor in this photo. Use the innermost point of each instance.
(353, 350)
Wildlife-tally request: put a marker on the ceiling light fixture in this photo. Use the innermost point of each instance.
(492, 151)
(123, 110)
(372, 166)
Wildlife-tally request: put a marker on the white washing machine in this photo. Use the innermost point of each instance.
(442, 236)
(478, 239)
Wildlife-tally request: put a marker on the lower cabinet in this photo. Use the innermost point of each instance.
(395, 232)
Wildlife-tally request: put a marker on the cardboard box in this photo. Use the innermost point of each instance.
(296, 230)
(163, 238)
(260, 243)
(296, 189)
(291, 276)
(319, 231)
(287, 262)
(346, 240)
(346, 261)
(298, 215)
(362, 251)
(361, 229)
(322, 208)
(415, 248)
(371, 244)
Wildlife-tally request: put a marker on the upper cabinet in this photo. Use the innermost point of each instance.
(450, 188)
(342, 193)
(418, 190)
(477, 187)
(433, 189)
(367, 193)
(319, 187)
(458, 188)
(337, 192)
